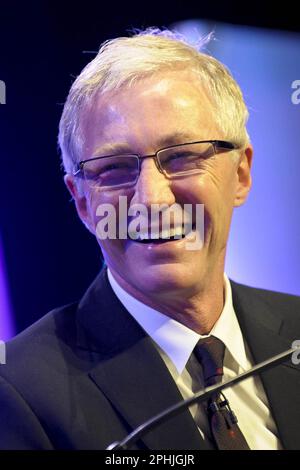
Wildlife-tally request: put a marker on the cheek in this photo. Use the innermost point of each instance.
(220, 205)
(113, 250)
(107, 214)
(100, 201)
(216, 191)
(222, 183)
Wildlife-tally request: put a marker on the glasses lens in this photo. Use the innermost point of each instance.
(111, 171)
(185, 158)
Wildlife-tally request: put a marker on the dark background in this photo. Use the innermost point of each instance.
(50, 256)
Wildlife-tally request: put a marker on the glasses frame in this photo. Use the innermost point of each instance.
(217, 144)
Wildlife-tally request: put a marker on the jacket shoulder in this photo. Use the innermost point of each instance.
(281, 304)
(44, 341)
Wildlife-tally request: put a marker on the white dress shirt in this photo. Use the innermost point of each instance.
(175, 343)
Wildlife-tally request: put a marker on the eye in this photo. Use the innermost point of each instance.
(104, 168)
(113, 166)
(178, 155)
(182, 159)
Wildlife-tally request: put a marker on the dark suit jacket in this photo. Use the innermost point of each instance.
(86, 374)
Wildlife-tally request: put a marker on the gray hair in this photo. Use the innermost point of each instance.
(122, 61)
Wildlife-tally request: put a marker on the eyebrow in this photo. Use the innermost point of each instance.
(123, 147)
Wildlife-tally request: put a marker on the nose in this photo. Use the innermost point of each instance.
(152, 186)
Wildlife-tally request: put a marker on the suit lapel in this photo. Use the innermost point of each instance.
(139, 386)
(266, 336)
(130, 372)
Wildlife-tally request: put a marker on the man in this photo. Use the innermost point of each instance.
(154, 122)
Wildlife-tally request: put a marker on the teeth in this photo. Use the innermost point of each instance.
(137, 236)
(177, 232)
(187, 229)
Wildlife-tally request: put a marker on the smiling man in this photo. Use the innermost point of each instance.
(155, 123)
(168, 109)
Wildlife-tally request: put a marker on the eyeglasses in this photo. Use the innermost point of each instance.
(114, 171)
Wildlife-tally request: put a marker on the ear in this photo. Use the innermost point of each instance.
(244, 176)
(80, 201)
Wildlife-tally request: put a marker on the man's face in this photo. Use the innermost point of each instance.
(156, 112)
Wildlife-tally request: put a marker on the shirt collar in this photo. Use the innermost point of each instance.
(228, 330)
(177, 340)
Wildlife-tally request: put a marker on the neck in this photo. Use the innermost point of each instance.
(198, 310)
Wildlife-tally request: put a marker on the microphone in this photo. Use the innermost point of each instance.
(198, 397)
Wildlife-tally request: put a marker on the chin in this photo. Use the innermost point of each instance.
(165, 278)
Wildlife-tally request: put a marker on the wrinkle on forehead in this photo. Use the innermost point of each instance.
(157, 105)
(112, 114)
(162, 87)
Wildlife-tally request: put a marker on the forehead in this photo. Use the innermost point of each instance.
(172, 103)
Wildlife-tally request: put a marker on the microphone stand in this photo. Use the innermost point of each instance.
(198, 397)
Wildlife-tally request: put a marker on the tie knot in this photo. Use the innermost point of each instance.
(210, 353)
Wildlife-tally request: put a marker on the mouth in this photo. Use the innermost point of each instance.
(166, 236)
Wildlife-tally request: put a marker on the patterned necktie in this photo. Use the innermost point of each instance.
(223, 422)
